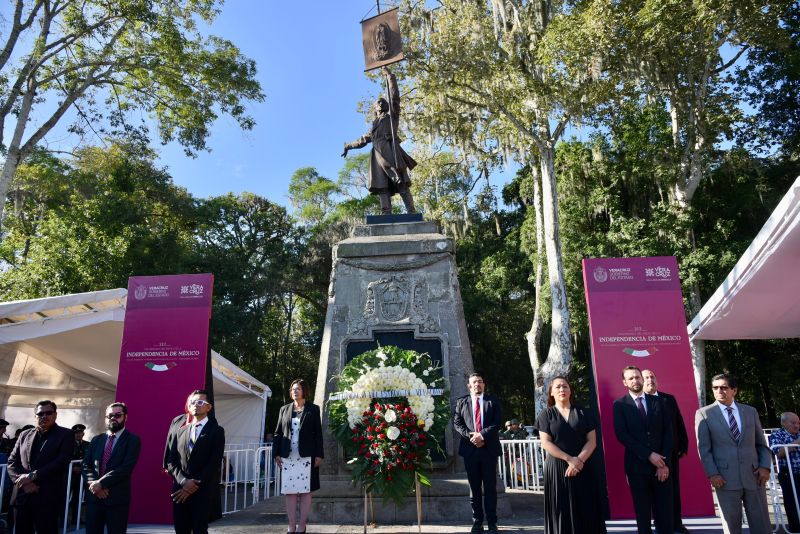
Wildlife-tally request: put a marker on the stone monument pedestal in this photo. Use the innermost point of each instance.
(395, 282)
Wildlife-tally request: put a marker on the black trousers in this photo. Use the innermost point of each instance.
(651, 498)
(675, 475)
(192, 516)
(789, 499)
(481, 469)
(30, 518)
(100, 517)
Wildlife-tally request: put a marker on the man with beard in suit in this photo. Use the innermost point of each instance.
(643, 424)
(478, 418)
(194, 461)
(107, 467)
(680, 442)
(38, 468)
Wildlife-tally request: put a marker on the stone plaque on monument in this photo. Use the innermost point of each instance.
(395, 283)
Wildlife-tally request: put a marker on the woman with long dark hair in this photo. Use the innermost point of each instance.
(572, 498)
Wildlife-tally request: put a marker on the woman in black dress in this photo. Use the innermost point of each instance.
(572, 493)
(298, 443)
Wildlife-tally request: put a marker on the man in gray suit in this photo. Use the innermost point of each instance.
(735, 457)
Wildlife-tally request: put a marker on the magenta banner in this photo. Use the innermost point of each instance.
(163, 358)
(636, 317)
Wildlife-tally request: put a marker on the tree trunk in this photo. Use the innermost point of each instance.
(698, 347)
(559, 356)
(534, 335)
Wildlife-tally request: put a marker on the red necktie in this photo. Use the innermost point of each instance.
(478, 425)
(107, 454)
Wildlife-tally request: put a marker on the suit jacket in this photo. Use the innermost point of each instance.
(172, 436)
(641, 436)
(680, 438)
(51, 466)
(491, 424)
(203, 462)
(310, 443)
(721, 455)
(117, 478)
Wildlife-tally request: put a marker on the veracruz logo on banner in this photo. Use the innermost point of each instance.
(636, 317)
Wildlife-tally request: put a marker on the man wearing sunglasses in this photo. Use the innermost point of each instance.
(38, 468)
(194, 460)
(107, 467)
(735, 456)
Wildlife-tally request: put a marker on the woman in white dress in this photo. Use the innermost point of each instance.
(298, 451)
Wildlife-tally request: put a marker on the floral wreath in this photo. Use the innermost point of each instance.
(391, 409)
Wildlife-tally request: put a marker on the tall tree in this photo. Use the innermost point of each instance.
(509, 76)
(109, 60)
(681, 54)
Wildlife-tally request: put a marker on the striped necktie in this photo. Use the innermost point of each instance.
(735, 434)
(107, 454)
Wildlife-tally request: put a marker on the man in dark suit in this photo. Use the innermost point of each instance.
(478, 418)
(735, 456)
(107, 467)
(38, 468)
(194, 462)
(643, 424)
(680, 445)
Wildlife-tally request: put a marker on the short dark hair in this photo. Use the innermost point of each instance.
(118, 405)
(201, 392)
(303, 385)
(630, 368)
(475, 374)
(45, 403)
(728, 378)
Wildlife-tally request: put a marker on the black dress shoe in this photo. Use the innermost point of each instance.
(492, 528)
(682, 529)
(477, 526)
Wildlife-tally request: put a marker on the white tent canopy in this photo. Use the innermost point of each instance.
(760, 298)
(66, 348)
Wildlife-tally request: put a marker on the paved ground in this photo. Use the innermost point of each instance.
(527, 517)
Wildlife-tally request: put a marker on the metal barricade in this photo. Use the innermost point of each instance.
(68, 498)
(3, 489)
(4, 486)
(776, 491)
(521, 465)
(247, 477)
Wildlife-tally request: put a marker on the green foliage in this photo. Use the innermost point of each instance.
(89, 226)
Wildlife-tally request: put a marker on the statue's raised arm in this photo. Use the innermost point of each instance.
(389, 163)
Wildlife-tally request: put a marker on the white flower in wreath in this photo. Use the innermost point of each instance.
(393, 433)
(390, 416)
(428, 424)
(425, 372)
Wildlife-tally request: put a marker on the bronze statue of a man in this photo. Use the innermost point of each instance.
(389, 163)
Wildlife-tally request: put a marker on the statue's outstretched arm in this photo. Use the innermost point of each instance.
(361, 142)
